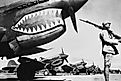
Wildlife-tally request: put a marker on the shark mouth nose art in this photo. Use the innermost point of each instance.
(39, 21)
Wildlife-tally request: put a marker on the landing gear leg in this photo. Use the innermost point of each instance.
(25, 72)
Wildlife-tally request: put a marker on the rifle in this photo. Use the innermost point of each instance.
(98, 26)
(102, 28)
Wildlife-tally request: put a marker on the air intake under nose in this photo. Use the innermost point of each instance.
(2, 36)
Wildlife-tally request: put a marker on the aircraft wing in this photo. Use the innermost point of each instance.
(30, 51)
(25, 52)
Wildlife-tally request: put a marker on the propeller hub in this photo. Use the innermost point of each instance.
(63, 56)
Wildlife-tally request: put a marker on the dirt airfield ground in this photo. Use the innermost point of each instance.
(98, 77)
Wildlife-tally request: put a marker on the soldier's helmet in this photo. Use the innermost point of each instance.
(107, 24)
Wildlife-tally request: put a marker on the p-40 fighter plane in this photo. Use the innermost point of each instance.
(76, 68)
(54, 62)
(27, 67)
(29, 23)
(26, 24)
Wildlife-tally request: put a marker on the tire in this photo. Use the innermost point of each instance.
(53, 72)
(46, 72)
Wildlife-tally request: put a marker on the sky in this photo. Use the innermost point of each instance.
(85, 44)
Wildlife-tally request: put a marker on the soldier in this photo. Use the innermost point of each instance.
(109, 43)
(109, 38)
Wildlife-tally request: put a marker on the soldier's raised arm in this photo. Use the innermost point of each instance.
(105, 26)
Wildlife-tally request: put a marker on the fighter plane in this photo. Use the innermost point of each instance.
(75, 68)
(54, 62)
(29, 23)
(26, 24)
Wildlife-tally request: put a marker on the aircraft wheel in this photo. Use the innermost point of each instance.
(53, 72)
(46, 72)
(21, 73)
(24, 73)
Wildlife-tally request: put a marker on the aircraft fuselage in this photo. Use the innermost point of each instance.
(30, 23)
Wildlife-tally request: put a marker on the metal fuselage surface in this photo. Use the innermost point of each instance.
(29, 23)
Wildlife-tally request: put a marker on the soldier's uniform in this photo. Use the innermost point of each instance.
(108, 49)
(108, 43)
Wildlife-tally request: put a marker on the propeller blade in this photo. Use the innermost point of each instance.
(73, 18)
(62, 51)
(93, 63)
(66, 60)
(82, 60)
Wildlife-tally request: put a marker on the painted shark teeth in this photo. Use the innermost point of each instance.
(42, 27)
(56, 22)
(47, 26)
(39, 28)
(52, 24)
